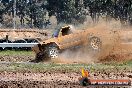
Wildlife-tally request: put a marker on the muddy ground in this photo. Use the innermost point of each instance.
(17, 58)
(55, 79)
(58, 79)
(120, 57)
(23, 33)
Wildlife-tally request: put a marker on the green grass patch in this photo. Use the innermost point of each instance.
(54, 67)
(42, 67)
(13, 52)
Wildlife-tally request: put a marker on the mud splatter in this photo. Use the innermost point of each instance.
(115, 44)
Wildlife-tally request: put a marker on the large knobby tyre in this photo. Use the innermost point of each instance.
(49, 52)
(95, 43)
(53, 52)
(39, 57)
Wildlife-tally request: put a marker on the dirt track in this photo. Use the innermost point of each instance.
(23, 33)
(17, 58)
(55, 80)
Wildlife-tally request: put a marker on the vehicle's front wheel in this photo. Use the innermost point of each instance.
(53, 52)
(49, 52)
(39, 57)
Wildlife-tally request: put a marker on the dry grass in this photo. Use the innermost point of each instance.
(42, 67)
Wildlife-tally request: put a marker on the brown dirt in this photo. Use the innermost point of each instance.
(17, 58)
(23, 33)
(56, 79)
(117, 57)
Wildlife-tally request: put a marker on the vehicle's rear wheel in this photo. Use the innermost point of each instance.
(95, 43)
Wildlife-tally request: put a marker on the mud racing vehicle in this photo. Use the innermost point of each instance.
(64, 38)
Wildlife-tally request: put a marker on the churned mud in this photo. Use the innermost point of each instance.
(56, 79)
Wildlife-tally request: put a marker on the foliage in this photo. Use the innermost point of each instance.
(32, 13)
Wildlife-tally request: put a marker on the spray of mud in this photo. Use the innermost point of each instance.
(75, 56)
(120, 48)
(110, 52)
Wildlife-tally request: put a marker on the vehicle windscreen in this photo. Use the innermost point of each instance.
(56, 33)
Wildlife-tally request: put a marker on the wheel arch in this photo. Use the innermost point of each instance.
(51, 43)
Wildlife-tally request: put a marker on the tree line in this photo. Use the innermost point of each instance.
(36, 13)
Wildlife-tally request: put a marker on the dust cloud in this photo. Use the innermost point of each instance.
(110, 52)
(76, 56)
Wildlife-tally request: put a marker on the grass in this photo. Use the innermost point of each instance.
(13, 52)
(54, 67)
(42, 67)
